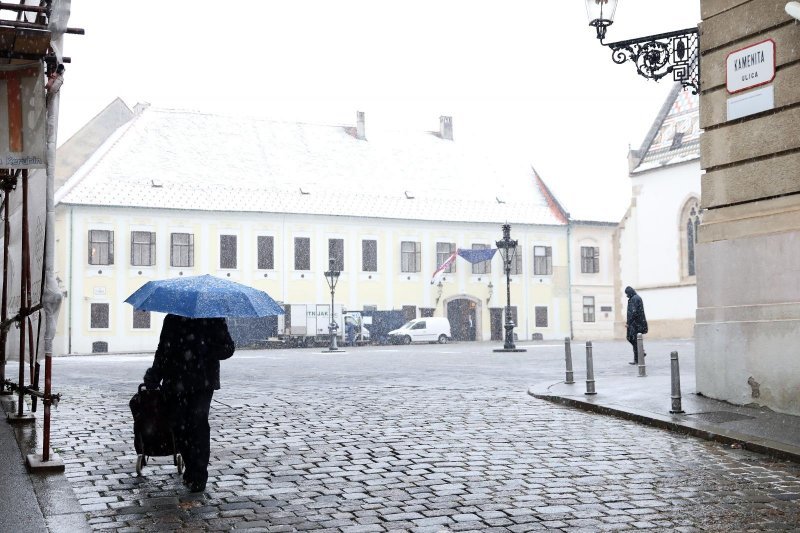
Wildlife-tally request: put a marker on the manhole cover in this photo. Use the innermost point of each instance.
(720, 417)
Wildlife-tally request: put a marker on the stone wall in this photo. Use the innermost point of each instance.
(748, 282)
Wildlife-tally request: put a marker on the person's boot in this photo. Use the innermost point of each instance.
(196, 486)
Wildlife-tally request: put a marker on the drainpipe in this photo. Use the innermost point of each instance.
(569, 277)
(70, 293)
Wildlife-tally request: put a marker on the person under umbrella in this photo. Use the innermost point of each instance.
(186, 366)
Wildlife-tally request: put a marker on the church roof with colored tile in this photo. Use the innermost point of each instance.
(674, 136)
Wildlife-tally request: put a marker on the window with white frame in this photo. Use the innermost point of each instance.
(98, 316)
(516, 263)
(590, 259)
(588, 308)
(101, 247)
(302, 253)
(541, 316)
(410, 256)
(143, 248)
(542, 261)
(227, 251)
(141, 319)
(336, 252)
(181, 250)
(443, 251)
(369, 255)
(482, 267)
(266, 252)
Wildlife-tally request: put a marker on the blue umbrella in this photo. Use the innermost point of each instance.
(203, 297)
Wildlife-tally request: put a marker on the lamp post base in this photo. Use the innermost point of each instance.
(508, 345)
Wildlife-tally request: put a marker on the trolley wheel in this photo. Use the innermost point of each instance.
(179, 462)
(140, 462)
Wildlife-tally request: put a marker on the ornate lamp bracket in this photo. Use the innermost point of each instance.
(656, 56)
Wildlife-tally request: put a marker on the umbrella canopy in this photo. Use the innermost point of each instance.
(203, 297)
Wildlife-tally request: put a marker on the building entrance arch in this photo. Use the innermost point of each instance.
(465, 314)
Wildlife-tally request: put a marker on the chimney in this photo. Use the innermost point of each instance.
(139, 107)
(361, 129)
(446, 128)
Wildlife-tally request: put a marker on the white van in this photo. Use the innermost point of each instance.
(428, 329)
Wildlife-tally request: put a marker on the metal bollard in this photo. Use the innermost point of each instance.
(568, 354)
(589, 370)
(676, 384)
(640, 351)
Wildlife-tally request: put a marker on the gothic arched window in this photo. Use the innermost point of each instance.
(690, 223)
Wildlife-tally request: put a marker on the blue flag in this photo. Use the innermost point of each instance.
(476, 256)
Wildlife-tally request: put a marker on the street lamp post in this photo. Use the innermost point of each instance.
(655, 56)
(508, 252)
(332, 277)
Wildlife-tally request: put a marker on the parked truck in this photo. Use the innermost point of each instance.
(380, 323)
(308, 324)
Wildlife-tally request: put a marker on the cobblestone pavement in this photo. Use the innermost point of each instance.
(431, 440)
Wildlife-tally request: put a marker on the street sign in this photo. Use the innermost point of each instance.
(752, 102)
(751, 66)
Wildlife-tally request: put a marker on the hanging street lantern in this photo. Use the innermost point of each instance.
(655, 56)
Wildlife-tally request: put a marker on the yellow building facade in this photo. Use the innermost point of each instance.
(173, 193)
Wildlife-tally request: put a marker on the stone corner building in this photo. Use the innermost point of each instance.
(748, 283)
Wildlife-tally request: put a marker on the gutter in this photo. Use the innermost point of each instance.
(569, 279)
(70, 293)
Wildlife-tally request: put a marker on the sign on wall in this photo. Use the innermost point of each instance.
(22, 116)
(751, 66)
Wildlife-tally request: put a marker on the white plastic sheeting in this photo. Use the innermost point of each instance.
(51, 299)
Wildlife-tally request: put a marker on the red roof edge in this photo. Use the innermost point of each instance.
(555, 207)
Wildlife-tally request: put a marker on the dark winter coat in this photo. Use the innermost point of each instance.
(637, 322)
(188, 354)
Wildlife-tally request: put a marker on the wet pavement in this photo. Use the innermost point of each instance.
(422, 438)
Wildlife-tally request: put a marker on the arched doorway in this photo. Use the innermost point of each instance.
(464, 315)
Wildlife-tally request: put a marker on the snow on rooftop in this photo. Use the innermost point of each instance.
(175, 159)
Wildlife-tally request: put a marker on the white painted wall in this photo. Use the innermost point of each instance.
(599, 285)
(661, 196)
(672, 303)
(650, 242)
(111, 284)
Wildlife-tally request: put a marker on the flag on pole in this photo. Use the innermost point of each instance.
(477, 256)
(437, 275)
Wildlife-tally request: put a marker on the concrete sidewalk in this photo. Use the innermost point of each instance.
(32, 502)
(648, 400)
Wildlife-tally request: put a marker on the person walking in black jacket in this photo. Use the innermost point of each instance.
(186, 365)
(637, 322)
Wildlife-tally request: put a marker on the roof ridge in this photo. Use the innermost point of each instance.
(635, 157)
(552, 202)
(95, 158)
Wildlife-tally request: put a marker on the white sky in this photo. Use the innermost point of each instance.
(526, 74)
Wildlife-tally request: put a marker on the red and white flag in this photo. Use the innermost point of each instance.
(437, 275)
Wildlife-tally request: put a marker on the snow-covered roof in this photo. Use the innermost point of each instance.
(675, 135)
(175, 159)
